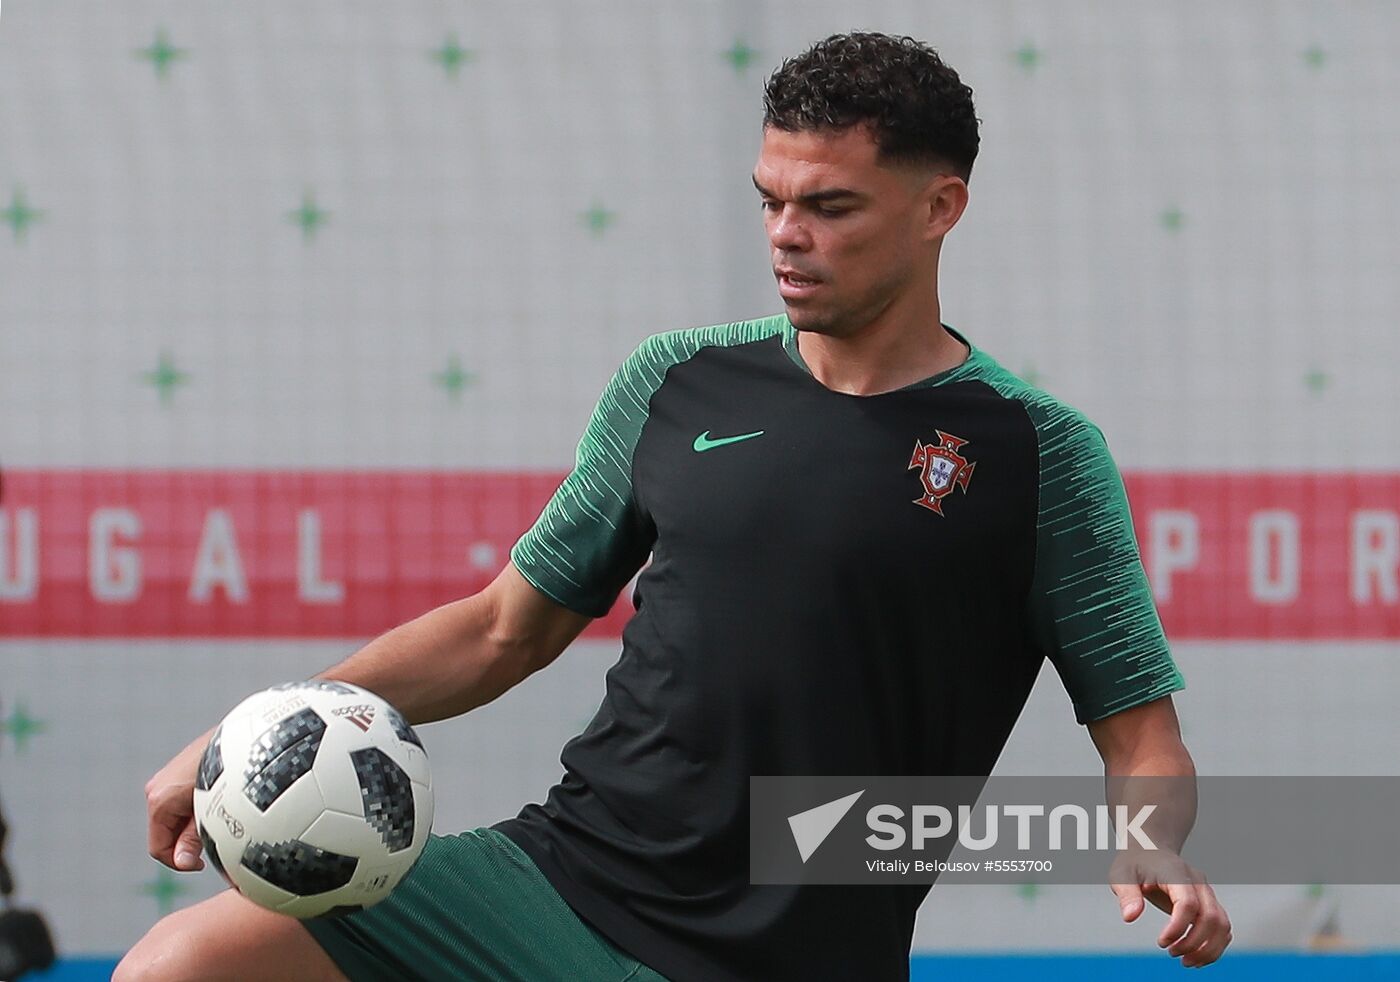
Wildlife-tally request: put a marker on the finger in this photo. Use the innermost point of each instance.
(1205, 921)
(188, 847)
(1203, 929)
(1185, 908)
(1208, 937)
(1157, 897)
(1129, 901)
(1205, 942)
(162, 833)
(1208, 952)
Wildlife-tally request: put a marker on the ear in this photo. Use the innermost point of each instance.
(944, 200)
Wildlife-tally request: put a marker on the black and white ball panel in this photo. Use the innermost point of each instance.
(211, 850)
(387, 795)
(298, 867)
(283, 753)
(402, 730)
(211, 765)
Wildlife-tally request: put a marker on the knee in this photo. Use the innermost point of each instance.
(226, 937)
(130, 968)
(158, 957)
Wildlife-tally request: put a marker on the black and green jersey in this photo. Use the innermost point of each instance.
(837, 585)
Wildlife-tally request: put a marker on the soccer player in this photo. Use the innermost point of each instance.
(865, 536)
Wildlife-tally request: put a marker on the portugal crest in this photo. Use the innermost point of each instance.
(941, 468)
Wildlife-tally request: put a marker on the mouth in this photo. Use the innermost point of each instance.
(792, 285)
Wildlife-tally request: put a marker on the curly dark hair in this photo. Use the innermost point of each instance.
(916, 106)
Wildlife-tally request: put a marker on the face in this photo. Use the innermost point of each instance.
(849, 237)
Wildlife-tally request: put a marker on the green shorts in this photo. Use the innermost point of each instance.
(474, 907)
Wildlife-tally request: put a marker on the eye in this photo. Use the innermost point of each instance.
(768, 204)
(831, 212)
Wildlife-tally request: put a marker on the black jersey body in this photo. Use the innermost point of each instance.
(837, 585)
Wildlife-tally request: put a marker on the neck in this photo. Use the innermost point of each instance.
(893, 350)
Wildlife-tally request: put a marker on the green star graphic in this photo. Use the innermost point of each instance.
(308, 216)
(597, 219)
(452, 56)
(21, 726)
(1172, 219)
(740, 55)
(1315, 57)
(1316, 380)
(165, 378)
(1313, 891)
(1030, 376)
(19, 216)
(161, 54)
(1028, 57)
(1028, 892)
(165, 888)
(453, 379)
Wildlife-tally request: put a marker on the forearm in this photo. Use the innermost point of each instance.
(1147, 764)
(1164, 777)
(440, 664)
(435, 666)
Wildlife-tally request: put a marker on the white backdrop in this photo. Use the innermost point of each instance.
(1182, 221)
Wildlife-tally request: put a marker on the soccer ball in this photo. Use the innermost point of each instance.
(313, 798)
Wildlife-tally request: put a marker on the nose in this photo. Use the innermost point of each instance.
(787, 232)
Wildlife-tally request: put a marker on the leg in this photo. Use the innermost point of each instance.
(227, 937)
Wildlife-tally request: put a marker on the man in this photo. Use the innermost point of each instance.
(864, 537)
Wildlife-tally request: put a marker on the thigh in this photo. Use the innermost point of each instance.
(227, 937)
(474, 907)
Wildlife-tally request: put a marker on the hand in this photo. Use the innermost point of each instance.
(171, 836)
(1198, 929)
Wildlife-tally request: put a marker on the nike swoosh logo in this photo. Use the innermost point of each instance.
(703, 441)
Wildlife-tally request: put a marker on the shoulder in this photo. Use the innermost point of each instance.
(1060, 428)
(660, 351)
(628, 395)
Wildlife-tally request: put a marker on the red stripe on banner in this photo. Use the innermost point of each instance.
(231, 554)
(1271, 556)
(225, 554)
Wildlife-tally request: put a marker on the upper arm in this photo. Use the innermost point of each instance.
(1091, 608)
(592, 537)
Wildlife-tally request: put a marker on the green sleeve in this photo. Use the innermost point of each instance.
(590, 540)
(1090, 604)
